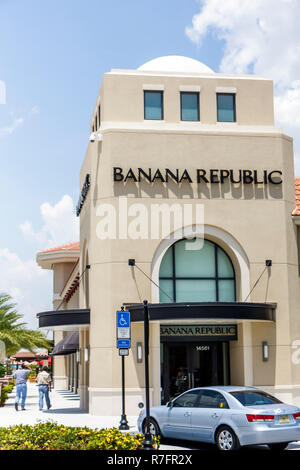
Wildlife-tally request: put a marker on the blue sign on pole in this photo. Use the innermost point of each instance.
(123, 329)
(123, 343)
(123, 319)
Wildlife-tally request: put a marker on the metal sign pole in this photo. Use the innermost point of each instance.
(123, 331)
(147, 443)
(123, 423)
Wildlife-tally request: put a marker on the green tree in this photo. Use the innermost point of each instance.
(13, 333)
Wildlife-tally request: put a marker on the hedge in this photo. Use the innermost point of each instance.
(5, 392)
(53, 436)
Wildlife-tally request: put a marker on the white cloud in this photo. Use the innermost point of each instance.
(16, 122)
(34, 110)
(287, 105)
(259, 36)
(10, 129)
(27, 284)
(60, 225)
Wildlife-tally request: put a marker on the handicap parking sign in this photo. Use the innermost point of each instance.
(123, 329)
(123, 319)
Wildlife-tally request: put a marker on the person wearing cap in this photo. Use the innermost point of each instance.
(21, 377)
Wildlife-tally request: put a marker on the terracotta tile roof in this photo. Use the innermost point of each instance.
(296, 211)
(69, 247)
(29, 355)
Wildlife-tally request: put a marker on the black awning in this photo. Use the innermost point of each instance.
(249, 311)
(64, 319)
(68, 345)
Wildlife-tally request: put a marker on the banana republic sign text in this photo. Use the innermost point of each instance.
(228, 331)
(199, 176)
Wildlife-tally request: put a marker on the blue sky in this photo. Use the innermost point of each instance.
(53, 56)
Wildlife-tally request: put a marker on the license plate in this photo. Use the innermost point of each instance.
(283, 419)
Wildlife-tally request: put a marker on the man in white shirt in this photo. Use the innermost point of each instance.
(44, 382)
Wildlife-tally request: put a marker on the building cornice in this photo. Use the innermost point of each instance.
(214, 76)
(163, 127)
(48, 259)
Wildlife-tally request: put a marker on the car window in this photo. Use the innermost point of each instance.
(254, 398)
(212, 399)
(188, 399)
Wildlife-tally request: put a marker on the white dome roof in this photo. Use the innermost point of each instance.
(175, 63)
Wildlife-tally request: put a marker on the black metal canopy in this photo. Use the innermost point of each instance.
(205, 310)
(57, 319)
(68, 345)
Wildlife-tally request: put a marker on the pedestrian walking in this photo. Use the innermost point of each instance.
(21, 377)
(44, 384)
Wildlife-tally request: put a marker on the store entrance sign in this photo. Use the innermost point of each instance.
(83, 195)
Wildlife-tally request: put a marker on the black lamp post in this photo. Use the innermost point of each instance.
(148, 442)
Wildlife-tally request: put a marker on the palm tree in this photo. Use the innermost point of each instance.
(15, 335)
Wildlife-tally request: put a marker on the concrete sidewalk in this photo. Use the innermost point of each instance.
(65, 410)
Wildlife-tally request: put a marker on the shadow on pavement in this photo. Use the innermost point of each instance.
(64, 411)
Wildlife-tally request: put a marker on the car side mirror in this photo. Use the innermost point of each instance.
(169, 404)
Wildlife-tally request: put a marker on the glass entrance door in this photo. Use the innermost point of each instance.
(189, 365)
(178, 376)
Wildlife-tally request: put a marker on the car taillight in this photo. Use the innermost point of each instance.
(296, 415)
(260, 418)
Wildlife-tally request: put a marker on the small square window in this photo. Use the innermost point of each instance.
(189, 106)
(153, 105)
(226, 107)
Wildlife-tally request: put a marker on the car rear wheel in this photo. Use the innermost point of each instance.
(153, 428)
(278, 446)
(226, 439)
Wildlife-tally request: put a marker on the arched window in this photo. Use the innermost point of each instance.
(205, 275)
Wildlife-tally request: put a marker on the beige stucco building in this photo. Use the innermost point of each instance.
(173, 138)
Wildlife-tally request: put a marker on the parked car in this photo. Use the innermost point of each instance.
(228, 416)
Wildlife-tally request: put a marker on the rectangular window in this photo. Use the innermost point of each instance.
(189, 106)
(226, 107)
(99, 120)
(96, 123)
(153, 105)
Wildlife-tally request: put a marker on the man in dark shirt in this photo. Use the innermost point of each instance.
(21, 377)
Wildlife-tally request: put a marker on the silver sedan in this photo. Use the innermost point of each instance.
(228, 416)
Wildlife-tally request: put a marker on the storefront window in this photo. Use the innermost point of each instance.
(204, 275)
(153, 105)
(226, 107)
(189, 106)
